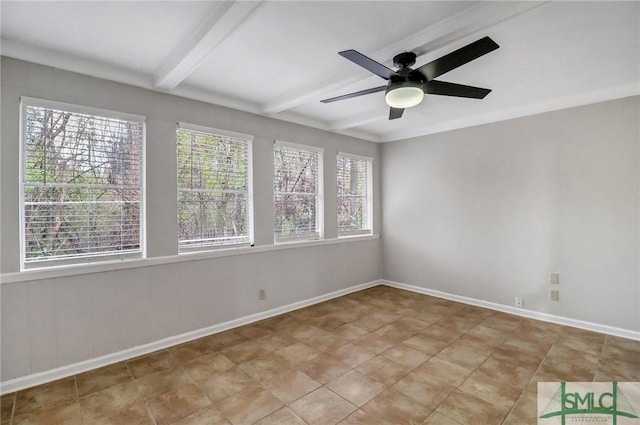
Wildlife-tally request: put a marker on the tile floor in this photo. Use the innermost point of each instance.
(379, 356)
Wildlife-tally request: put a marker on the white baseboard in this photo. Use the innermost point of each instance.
(23, 382)
(545, 317)
(39, 378)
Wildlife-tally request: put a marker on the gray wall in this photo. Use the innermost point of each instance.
(48, 323)
(487, 212)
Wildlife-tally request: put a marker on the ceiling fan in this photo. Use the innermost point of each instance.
(407, 86)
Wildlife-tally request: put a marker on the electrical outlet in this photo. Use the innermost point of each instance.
(519, 302)
(262, 294)
(554, 295)
(554, 278)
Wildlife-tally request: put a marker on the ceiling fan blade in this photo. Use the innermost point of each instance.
(356, 94)
(458, 57)
(395, 113)
(368, 63)
(452, 89)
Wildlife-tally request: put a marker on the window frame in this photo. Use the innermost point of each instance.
(319, 194)
(92, 258)
(368, 219)
(250, 204)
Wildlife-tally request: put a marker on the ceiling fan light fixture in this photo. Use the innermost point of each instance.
(404, 96)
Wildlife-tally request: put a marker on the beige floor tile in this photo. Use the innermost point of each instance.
(109, 402)
(66, 414)
(208, 416)
(369, 323)
(284, 416)
(249, 406)
(225, 339)
(45, 396)
(291, 385)
(430, 394)
(155, 362)
(465, 358)
(100, 379)
(394, 332)
(383, 370)
(441, 372)
(322, 341)
(506, 374)
(490, 336)
(441, 333)
(525, 410)
(162, 382)
(491, 391)
(530, 343)
(620, 370)
(227, 383)
(412, 324)
(191, 350)
(266, 367)
(352, 355)
(326, 322)
(425, 344)
(204, 367)
(437, 418)
(458, 326)
(396, 408)
(253, 332)
(275, 341)
(356, 387)
(135, 414)
(375, 343)
(406, 356)
(569, 364)
(298, 353)
(360, 417)
(322, 407)
(613, 352)
(518, 356)
(7, 402)
(503, 322)
(244, 351)
(177, 404)
(475, 344)
(349, 332)
(469, 410)
(324, 368)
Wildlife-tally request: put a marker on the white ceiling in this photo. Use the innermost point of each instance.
(279, 58)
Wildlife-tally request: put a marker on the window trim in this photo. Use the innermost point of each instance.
(319, 194)
(88, 259)
(368, 228)
(250, 204)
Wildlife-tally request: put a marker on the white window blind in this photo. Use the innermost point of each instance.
(297, 192)
(354, 195)
(214, 196)
(81, 184)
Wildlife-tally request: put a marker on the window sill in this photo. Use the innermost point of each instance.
(78, 269)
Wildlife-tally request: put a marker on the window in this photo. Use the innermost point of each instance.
(355, 206)
(81, 184)
(214, 188)
(297, 186)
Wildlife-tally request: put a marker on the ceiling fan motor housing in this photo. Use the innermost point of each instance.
(404, 60)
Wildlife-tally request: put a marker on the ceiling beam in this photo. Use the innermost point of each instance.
(359, 119)
(425, 44)
(224, 19)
